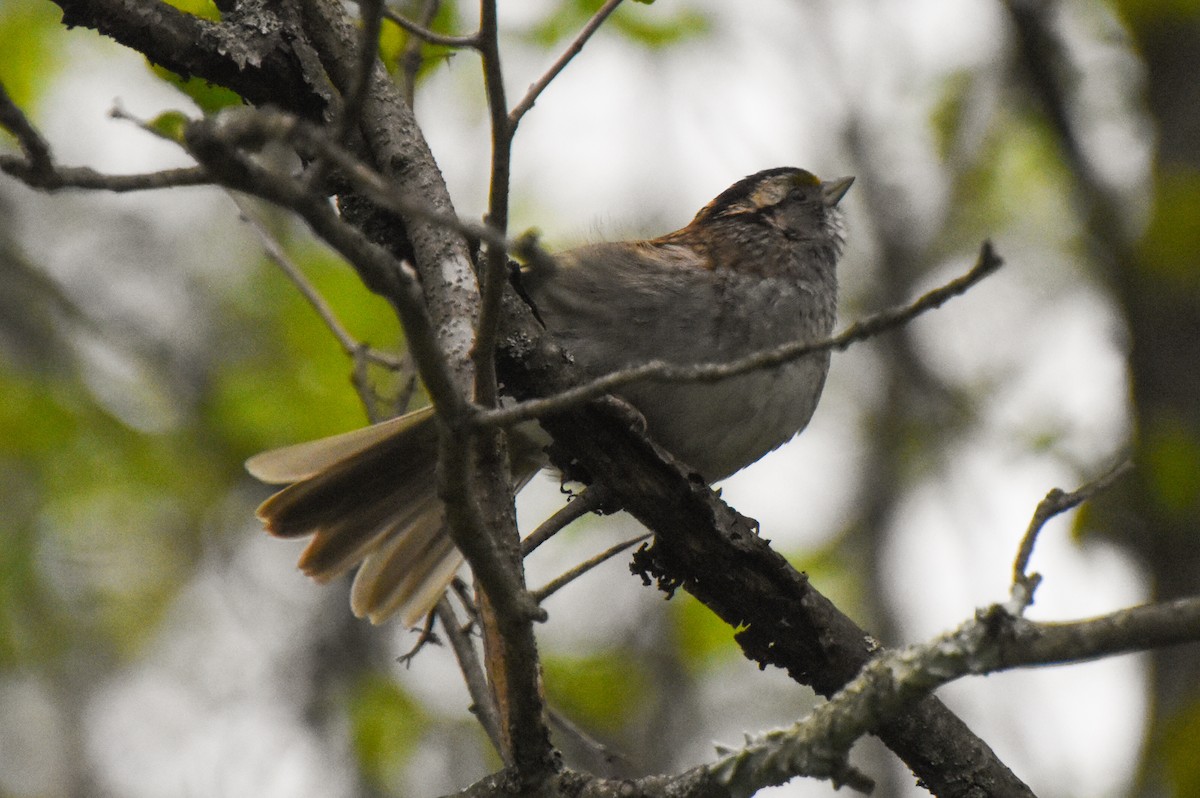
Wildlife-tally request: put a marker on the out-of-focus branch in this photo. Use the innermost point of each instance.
(274, 250)
(371, 12)
(219, 150)
(410, 62)
(36, 148)
(433, 37)
(58, 178)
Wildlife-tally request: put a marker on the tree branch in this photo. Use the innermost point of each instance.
(36, 148)
(535, 91)
(704, 546)
(987, 263)
(1055, 503)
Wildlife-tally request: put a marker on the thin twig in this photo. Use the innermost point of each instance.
(605, 753)
(410, 61)
(371, 12)
(535, 91)
(426, 637)
(559, 582)
(83, 177)
(658, 370)
(275, 252)
(246, 126)
(484, 704)
(35, 147)
(423, 32)
(589, 500)
(1056, 502)
(494, 274)
(216, 146)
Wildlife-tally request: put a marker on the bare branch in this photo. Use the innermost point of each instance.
(216, 145)
(535, 91)
(423, 32)
(371, 12)
(274, 250)
(494, 274)
(593, 498)
(1055, 503)
(660, 370)
(994, 640)
(37, 169)
(83, 177)
(484, 704)
(411, 60)
(36, 148)
(561, 581)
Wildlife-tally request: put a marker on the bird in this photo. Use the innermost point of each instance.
(754, 269)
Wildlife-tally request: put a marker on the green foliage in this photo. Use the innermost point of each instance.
(703, 637)
(1170, 451)
(394, 41)
(1158, 12)
(1015, 179)
(170, 125)
(637, 25)
(276, 386)
(598, 689)
(29, 57)
(206, 9)
(1170, 244)
(103, 530)
(385, 727)
(1178, 750)
(206, 96)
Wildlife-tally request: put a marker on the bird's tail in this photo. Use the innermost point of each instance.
(370, 497)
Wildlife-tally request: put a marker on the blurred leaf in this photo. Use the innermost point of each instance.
(685, 25)
(1172, 239)
(1178, 751)
(30, 56)
(637, 25)
(385, 725)
(170, 125)
(206, 9)
(286, 378)
(1146, 12)
(207, 97)
(947, 116)
(394, 40)
(703, 637)
(1016, 181)
(1170, 452)
(598, 690)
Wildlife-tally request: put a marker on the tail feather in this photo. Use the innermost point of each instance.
(407, 572)
(367, 496)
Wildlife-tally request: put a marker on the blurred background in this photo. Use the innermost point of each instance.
(154, 642)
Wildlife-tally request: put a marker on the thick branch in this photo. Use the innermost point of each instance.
(704, 546)
(257, 61)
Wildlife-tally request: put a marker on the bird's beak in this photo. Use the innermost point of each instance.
(832, 191)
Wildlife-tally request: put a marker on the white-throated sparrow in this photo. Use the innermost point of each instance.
(754, 269)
